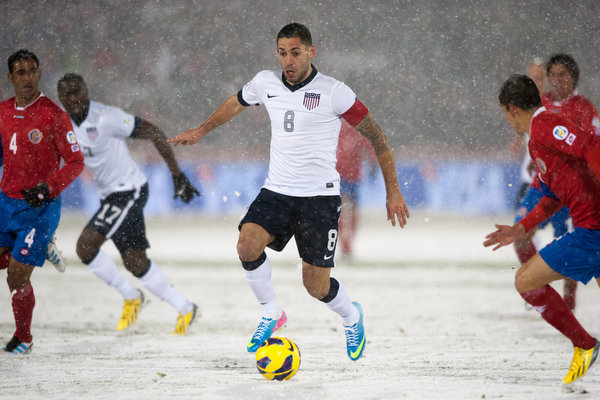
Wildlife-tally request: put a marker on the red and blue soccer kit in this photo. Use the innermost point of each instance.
(567, 160)
(34, 140)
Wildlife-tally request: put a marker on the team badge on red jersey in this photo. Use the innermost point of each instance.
(71, 138)
(35, 136)
(311, 100)
(560, 132)
(541, 165)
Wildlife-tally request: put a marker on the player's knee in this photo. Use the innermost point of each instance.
(136, 262)
(85, 252)
(247, 250)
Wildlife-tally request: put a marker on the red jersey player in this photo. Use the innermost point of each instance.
(568, 164)
(564, 99)
(36, 135)
(352, 149)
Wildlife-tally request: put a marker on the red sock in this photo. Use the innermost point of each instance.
(4, 259)
(23, 302)
(525, 253)
(554, 310)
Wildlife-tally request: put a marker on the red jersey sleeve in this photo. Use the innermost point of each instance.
(541, 212)
(66, 143)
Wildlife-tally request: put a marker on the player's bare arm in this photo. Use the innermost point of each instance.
(224, 113)
(159, 139)
(395, 203)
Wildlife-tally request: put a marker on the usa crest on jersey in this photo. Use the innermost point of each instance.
(311, 100)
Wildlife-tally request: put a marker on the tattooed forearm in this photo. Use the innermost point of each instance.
(370, 129)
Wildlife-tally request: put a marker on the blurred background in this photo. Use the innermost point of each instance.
(428, 70)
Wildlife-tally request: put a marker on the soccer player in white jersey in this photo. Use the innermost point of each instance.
(300, 196)
(102, 131)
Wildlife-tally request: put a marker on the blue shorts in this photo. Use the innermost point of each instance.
(530, 200)
(575, 255)
(28, 230)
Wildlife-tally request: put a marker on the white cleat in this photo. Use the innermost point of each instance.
(55, 256)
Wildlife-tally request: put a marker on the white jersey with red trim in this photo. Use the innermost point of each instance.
(305, 125)
(102, 139)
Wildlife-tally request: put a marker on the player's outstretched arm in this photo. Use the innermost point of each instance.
(395, 203)
(224, 113)
(183, 188)
(504, 235)
(159, 139)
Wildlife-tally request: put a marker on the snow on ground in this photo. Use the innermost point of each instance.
(443, 321)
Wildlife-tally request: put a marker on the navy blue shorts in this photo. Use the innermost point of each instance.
(312, 221)
(560, 220)
(28, 230)
(121, 218)
(575, 255)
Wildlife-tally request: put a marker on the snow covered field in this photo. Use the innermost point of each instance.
(443, 321)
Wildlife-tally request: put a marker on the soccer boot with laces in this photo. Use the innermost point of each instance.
(17, 346)
(355, 336)
(582, 361)
(55, 256)
(185, 320)
(265, 330)
(131, 310)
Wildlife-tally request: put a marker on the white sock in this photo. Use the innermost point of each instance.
(259, 280)
(342, 305)
(106, 269)
(156, 282)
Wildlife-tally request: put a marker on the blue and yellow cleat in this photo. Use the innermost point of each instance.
(355, 336)
(582, 361)
(265, 330)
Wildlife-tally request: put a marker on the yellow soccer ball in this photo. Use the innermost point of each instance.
(278, 358)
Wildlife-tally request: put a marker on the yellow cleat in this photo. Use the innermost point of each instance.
(185, 320)
(131, 310)
(582, 361)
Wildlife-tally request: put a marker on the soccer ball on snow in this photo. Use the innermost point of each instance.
(278, 358)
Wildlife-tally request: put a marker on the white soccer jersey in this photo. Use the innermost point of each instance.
(305, 126)
(102, 139)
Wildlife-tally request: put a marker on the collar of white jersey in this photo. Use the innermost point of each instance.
(305, 82)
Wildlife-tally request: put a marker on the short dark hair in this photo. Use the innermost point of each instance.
(294, 30)
(70, 77)
(20, 55)
(520, 91)
(568, 61)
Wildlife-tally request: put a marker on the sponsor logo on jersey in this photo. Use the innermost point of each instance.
(541, 165)
(19, 116)
(570, 139)
(35, 136)
(75, 148)
(560, 132)
(92, 133)
(24, 251)
(71, 137)
(311, 100)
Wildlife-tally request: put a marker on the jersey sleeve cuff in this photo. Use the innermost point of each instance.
(241, 99)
